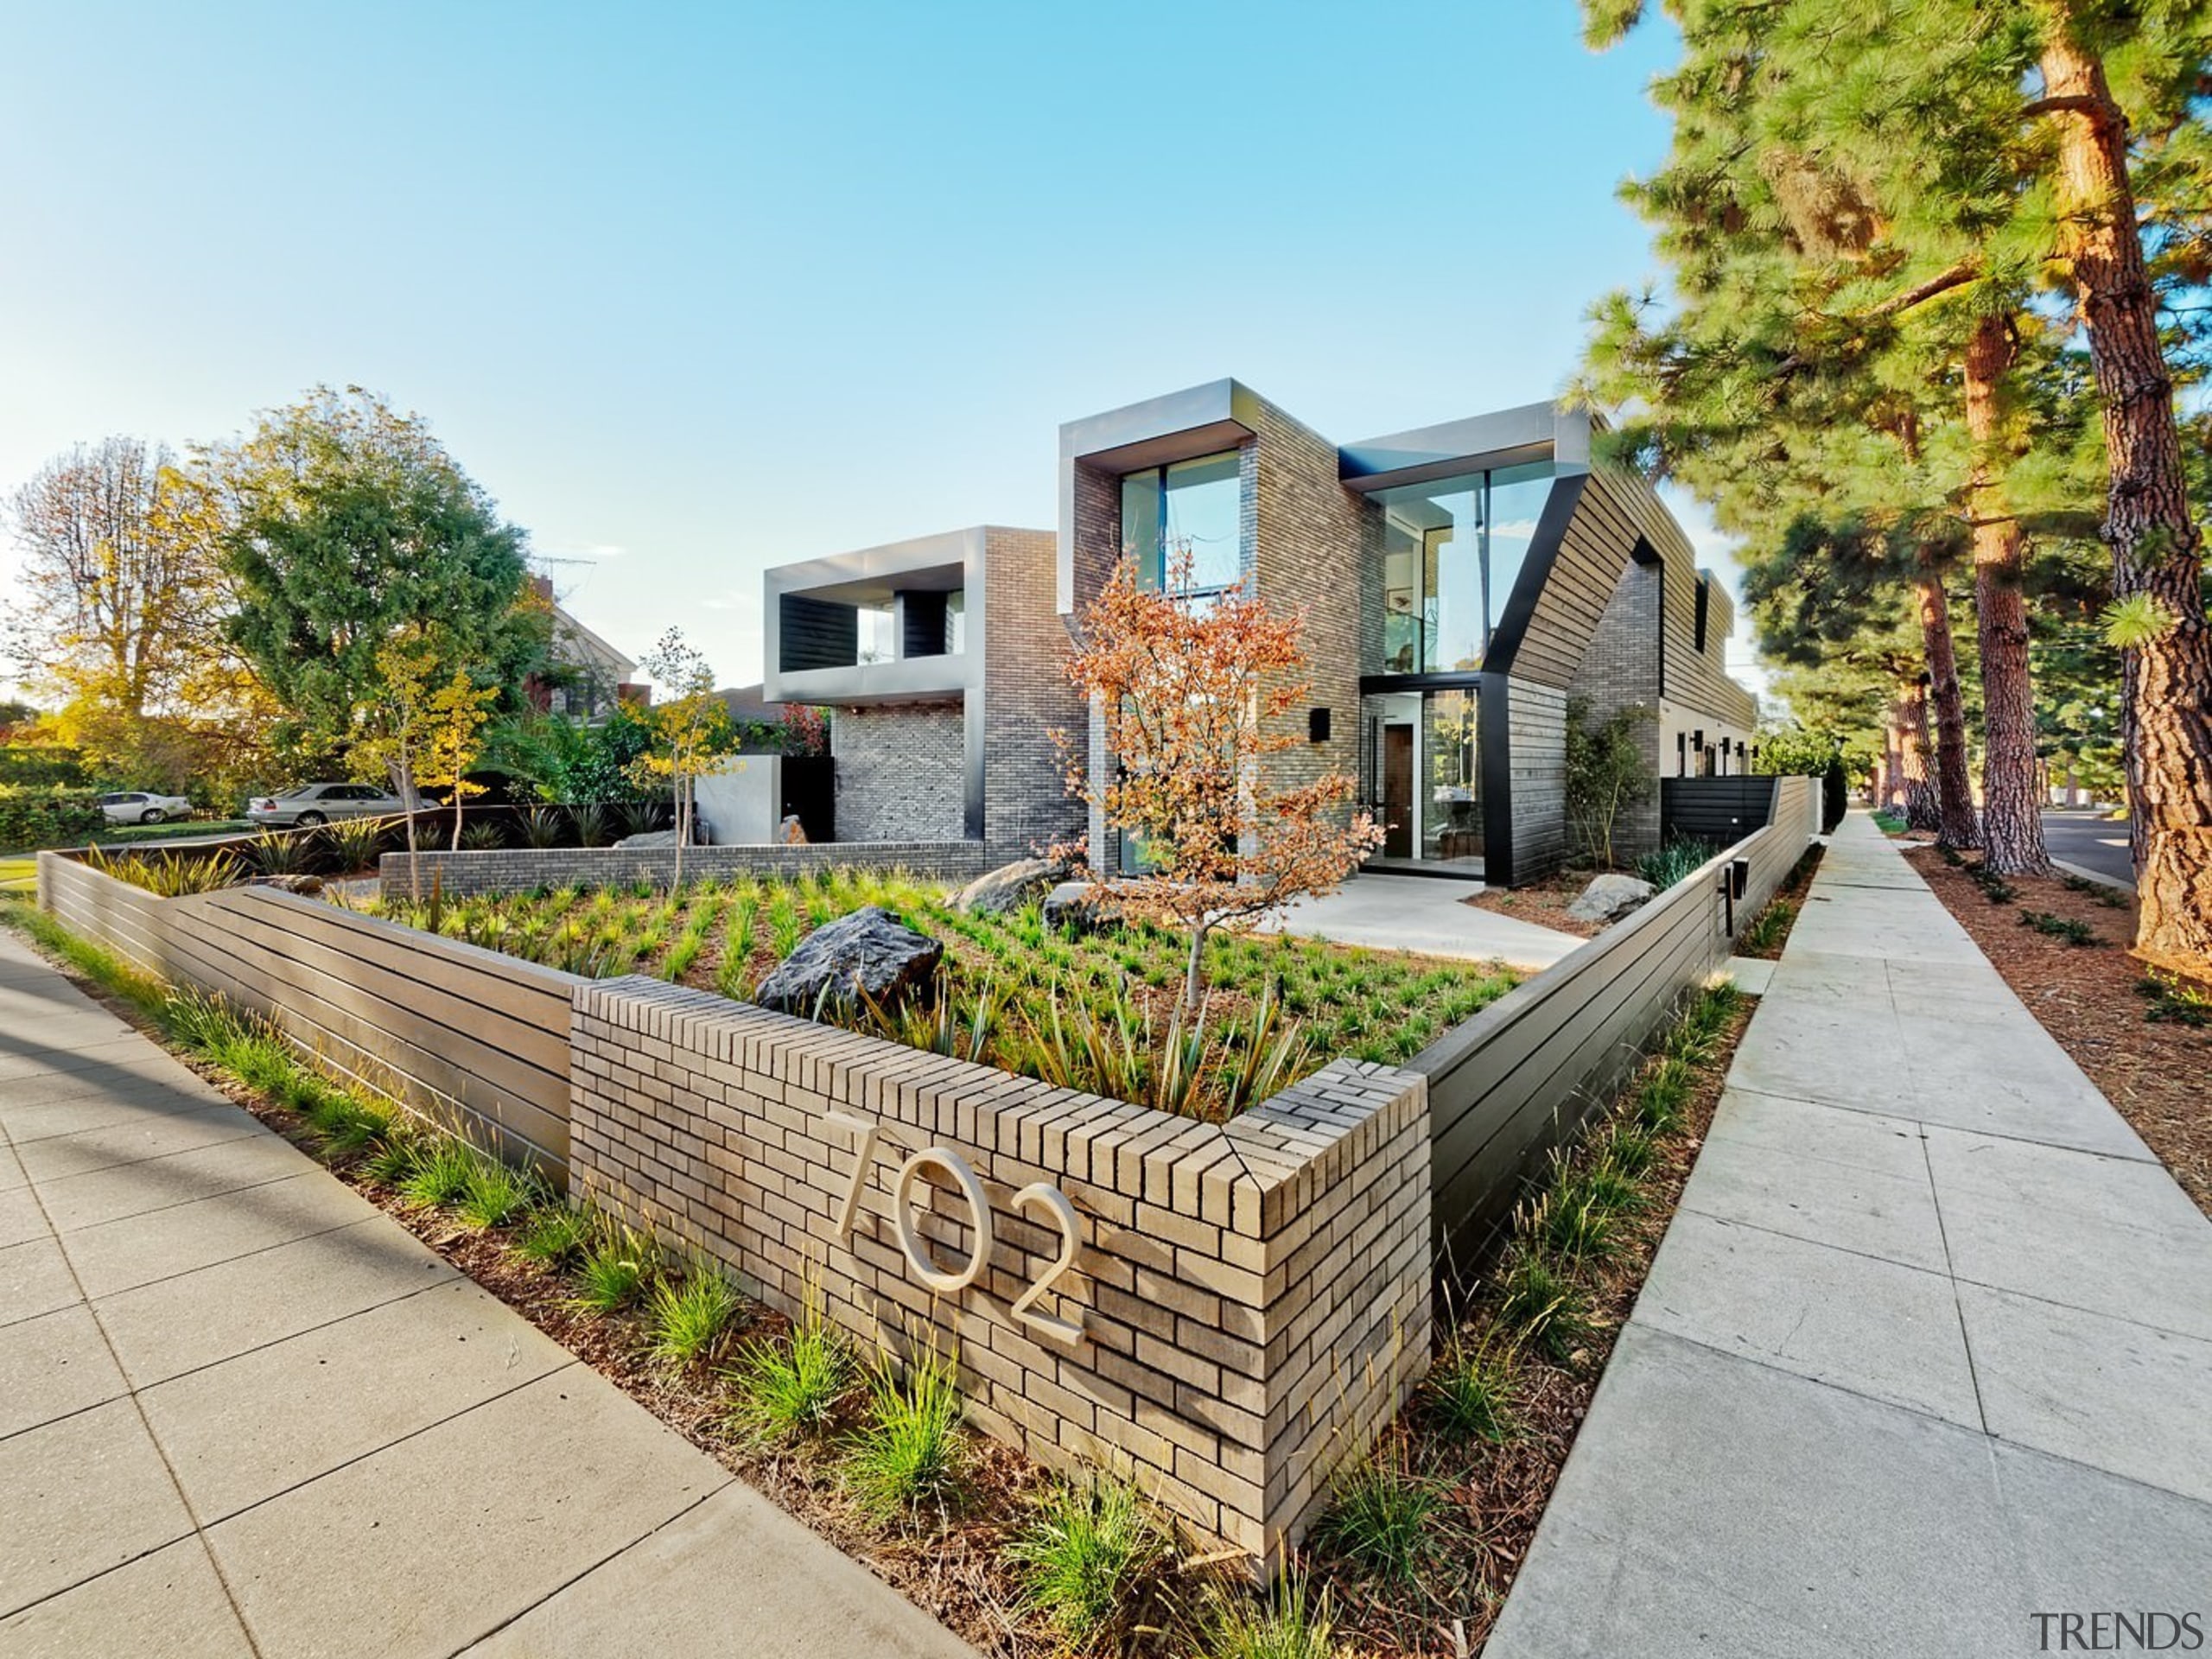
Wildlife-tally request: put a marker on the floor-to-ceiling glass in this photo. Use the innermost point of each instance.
(1423, 778)
(1452, 550)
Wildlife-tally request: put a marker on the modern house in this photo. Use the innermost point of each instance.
(1462, 583)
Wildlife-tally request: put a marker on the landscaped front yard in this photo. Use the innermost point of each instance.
(1095, 1012)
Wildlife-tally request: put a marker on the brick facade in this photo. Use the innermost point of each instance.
(902, 772)
(1253, 1297)
(1025, 695)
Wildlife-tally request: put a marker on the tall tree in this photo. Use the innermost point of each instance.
(122, 617)
(689, 724)
(1999, 149)
(347, 523)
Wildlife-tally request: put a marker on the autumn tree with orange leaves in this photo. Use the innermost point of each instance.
(1196, 697)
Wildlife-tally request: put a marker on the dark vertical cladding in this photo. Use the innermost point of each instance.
(816, 633)
(1494, 721)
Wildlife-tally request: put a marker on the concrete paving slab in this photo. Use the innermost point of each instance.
(127, 1066)
(84, 1494)
(723, 1567)
(175, 1326)
(35, 1279)
(21, 1063)
(1867, 1140)
(132, 1189)
(31, 1117)
(2102, 1391)
(1887, 1332)
(481, 1518)
(1934, 1488)
(1752, 975)
(1891, 1216)
(164, 1243)
(1834, 1519)
(433, 1356)
(53, 1365)
(11, 1168)
(57, 1157)
(169, 1603)
(2161, 1279)
(23, 1218)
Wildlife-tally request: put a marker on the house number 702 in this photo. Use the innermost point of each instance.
(1036, 1195)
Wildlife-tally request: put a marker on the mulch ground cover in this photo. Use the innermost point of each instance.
(2095, 1000)
(1544, 902)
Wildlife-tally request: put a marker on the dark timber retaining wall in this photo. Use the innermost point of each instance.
(442, 1026)
(1719, 811)
(1519, 1078)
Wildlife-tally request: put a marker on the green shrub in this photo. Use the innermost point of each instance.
(168, 875)
(31, 817)
(909, 1451)
(2058, 927)
(691, 1316)
(2174, 1000)
(1379, 1521)
(1084, 1554)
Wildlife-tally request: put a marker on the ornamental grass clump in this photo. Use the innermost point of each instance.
(1379, 1521)
(616, 1267)
(1288, 1620)
(1470, 1388)
(553, 1233)
(690, 1315)
(792, 1386)
(1084, 1554)
(908, 1452)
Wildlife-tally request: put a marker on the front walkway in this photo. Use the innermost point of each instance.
(1425, 914)
(1926, 1352)
(242, 1411)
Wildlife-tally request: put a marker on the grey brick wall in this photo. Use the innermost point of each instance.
(901, 771)
(1026, 694)
(1253, 1297)
(1620, 670)
(524, 870)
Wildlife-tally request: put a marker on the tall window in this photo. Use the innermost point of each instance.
(1187, 504)
(1452, 550)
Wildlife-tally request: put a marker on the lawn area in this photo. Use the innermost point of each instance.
(1094, 1013)
(19, 874)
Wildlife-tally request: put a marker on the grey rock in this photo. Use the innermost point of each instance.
(307, 885)
(1077, 908)
(1010, 886)
(868, 949)
(1609, 898)
(649, 838)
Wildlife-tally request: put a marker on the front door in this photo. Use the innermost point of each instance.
(1398, 791)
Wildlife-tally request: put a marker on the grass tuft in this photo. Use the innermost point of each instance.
(691, 1317)
(793, 1386)
(1287, 1621)
(1471, 1391)
(552, 1233)
(1379, 1521)
(1083, 1554)
(616, 1265)
(909, 1451)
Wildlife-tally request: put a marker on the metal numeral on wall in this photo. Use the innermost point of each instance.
(1037, 1195)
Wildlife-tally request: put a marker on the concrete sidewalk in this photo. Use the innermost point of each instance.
(243, 1412)
(1424, 913)
(1927, 1352)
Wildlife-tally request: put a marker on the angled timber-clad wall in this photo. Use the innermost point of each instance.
(1253, 1298)
(440, 1027)
(1520, 1077)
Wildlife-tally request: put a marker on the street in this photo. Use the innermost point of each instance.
(2091, 840)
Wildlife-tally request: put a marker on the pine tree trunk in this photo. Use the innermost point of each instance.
(2167, 724)
(2012, 814)
(1954, 788)
(1921, 809)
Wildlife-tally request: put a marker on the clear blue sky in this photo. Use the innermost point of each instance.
(695, 290)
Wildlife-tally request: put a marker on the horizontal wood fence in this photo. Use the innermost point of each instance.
(1721, 811)
(459, 1033)
(1518, 1079)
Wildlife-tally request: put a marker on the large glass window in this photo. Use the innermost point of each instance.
(1194, 507)
(1452, 823)
(1451, 550)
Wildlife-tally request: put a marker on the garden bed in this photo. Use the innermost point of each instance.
(1093, 1013)
(2061, 942)
(1763, 937)
(1544, 902)
(1413, 1557)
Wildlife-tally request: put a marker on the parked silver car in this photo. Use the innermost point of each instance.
(137, 806)
(314, 804)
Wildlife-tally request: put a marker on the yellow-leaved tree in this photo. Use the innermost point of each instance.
(454, 720)
(689, 723)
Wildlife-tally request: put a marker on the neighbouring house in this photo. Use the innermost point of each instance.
(584, 676)
(942, 660)
(1462, 584)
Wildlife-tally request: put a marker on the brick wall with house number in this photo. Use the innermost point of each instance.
(1227, 1312)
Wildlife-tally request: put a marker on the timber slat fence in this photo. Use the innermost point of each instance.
(1517, 1080)
(442, 1027)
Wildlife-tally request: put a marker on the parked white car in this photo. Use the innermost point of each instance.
(136, 807)
(313, 804)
